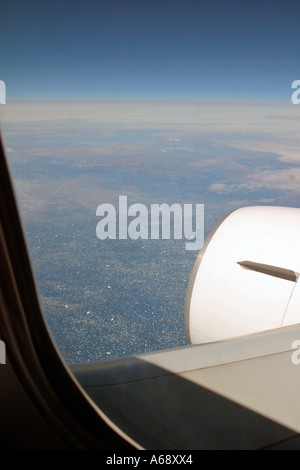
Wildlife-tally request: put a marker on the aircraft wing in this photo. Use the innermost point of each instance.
(235, 394)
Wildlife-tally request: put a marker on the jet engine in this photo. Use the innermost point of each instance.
(245, 277)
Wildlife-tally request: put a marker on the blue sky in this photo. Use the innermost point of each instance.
(150, 49)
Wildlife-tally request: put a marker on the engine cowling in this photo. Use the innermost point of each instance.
(245, 277)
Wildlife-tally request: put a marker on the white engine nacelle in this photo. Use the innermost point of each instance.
(245, 277)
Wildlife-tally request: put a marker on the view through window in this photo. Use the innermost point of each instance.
(115, 107)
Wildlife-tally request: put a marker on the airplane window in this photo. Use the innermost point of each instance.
(131, 128)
